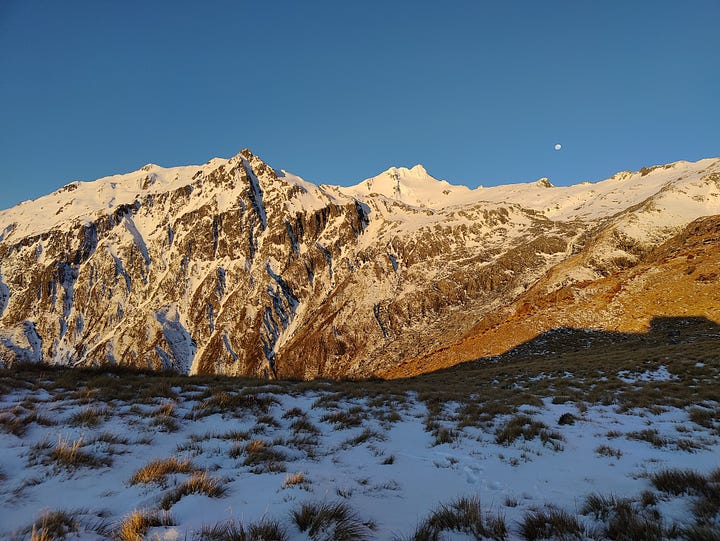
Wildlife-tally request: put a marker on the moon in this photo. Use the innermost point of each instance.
(558, 146)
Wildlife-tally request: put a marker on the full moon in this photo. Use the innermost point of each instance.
(558, 146)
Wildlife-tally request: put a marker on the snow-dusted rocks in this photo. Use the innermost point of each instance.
(233, 267)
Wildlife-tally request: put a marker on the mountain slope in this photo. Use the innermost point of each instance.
(232, 267)
(679, 278)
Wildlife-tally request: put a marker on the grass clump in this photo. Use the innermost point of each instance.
(70, 455)
(567, 419)
(157, 471)
(165, 417)
(551, 524)
(265, 530)
(342, 419)
(677, 482)
(262, 457)
(224, 402)
(13, 424)
(600, 506)
(649, 435)
(626, 520)
(701, 532)
(135, 525)
(302, 425)
(295, 479)
(606, 450)
(89, 417)
(330, 522)
(703, 417)
(462, 516)
(442, 434)
(524, 426)
(365, 436)
(54, 525)
(199, 483)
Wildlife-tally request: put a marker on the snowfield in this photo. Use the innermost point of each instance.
(80, 449)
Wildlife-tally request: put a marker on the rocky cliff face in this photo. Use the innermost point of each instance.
(232, 267)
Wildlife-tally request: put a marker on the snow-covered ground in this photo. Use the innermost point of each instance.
(376, 453)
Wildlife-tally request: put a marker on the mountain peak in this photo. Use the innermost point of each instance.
(544, 183)
(414, 186)
(417, 171)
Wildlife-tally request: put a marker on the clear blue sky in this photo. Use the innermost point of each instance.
(478, 92)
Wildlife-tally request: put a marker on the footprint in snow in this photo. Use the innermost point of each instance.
(472, 473)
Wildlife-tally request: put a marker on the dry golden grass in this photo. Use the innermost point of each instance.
(199, 483)
(54, 525)
(262, 457)
(67, 454)
(157, 471)
(293, 479)
(136, 524)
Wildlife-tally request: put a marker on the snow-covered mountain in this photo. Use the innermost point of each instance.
(233, 267)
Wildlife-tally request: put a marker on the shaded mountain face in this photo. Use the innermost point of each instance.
(235, 268)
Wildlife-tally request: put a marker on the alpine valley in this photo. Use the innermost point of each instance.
(232, 267)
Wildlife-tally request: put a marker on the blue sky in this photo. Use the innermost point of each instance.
(478, 92)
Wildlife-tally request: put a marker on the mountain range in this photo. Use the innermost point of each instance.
(233, 267)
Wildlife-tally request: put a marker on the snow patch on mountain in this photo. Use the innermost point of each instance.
(413, 186)
(24, 341)
(181, 344)
(4, 295)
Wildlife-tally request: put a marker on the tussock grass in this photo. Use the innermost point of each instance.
(294, 413)
(330, 521)
(235, 435)
(71, 455)
(13, 424)
(365, 436)
(295, 479)
(626, 519)
(606, 450)
(265, 530)
(706, 417)
(199, 483)
(343, 419)
(442, 434)
(39, 418)
(262, 457)
(89, 417)
(567, 419)
(551, 524)
(135, 525)
(157, 471)
(303, 425)
(676, 482)
(166, 409)
(166, 422)
(111, 438)
(701, 532)
(524, 426)
(600, 506)
(238, 403)
(268, 420)
(462, 516)
(53, 525)
(649, 435)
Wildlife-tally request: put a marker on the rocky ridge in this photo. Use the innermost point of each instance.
(233, 267)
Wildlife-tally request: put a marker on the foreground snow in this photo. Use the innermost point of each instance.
(374, 453)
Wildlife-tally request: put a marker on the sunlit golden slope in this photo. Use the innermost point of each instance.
(681, 277)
